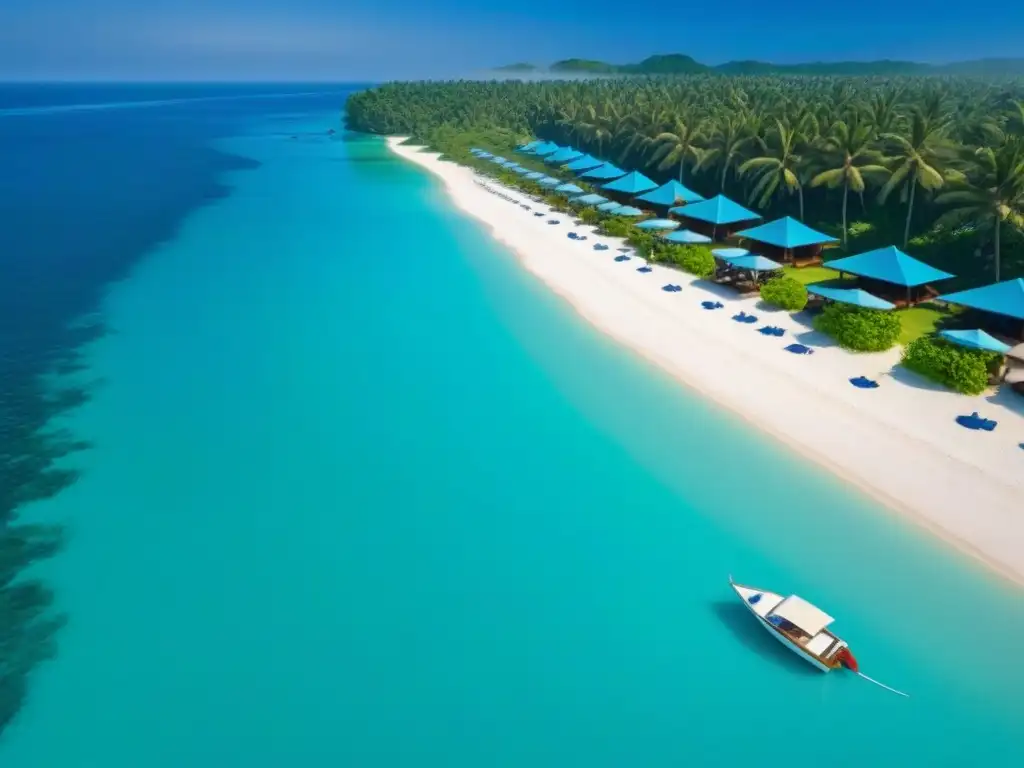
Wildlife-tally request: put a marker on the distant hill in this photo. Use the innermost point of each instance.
(521, 66)
(681, 64)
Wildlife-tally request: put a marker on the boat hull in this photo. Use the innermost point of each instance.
(744, 593)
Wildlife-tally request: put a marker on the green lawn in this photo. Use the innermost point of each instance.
(808, 275)
(919, 321)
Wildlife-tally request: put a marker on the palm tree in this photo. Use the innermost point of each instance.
(777, 167)
(725, 147)
(679, 144)
(918, 159)
(849, 161)
(992, 193)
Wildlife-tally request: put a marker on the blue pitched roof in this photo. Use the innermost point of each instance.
(686, 236)
(754, 263)
(663, 224)
(632, 183)
(786, 233)
(626, 210)
(1005, 298)
(854, 296)
(890, 265)
(590, 199)
(976, 339)
(718, 210)
(545, 149)
(564, 156)
(585, 163)
(670, 193)
(606, 171)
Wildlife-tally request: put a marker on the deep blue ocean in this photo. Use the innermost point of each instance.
(359, 491)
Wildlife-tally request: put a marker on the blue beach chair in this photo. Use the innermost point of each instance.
(974, 421)
(743, 317)
(644, 269)
(600, 247)
(799, 349)
(622, 257)
(712, 304)
(863, 382)
(670, 288)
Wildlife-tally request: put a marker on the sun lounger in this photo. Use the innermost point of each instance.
(571, 235)
(671, 288)
(712, 304)
(600, 247)
(645, 269)
(772, 330)
(743, 317)
(538, 213)
(622, 257)
(554, 221)
(799, 349)
(863, 382)
(581, 238)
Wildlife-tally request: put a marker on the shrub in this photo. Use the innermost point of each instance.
(590, 216)
(960, 369)
(862, 330)
(642, 241)
(616, 227)
(786, 293)
(695, 259)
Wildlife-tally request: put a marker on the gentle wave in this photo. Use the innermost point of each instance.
(55, 109)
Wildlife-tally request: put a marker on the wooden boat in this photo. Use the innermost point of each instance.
(799, 626)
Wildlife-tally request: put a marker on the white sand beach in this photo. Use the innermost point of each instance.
(899, 442)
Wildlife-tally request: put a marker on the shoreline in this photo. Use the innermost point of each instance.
(898, 443)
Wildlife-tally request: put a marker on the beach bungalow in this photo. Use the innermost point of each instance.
(563, 156)
(1001, 306)
(604, 172)
(788, 241)
(630, 185)
(714, 217)
(671, 194)
(891, 274)
(585, 163)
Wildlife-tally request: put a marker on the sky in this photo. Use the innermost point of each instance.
(359, 40)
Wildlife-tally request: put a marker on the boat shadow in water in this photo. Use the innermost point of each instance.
(746, 628)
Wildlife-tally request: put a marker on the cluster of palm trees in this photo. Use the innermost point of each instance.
(947, 153)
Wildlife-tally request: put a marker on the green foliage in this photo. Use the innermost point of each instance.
(960, 369)
(785, 293)
(861, 229)
(590, 216)
(858, 329)
(642, 241)
(695, 259)
(616, 226)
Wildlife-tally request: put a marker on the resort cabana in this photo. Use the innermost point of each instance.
(976, 339)
(854, 296)
(1003, 303)
(633, 183)
(626, 210)
(547, 148)
(687, 237)
(568, 189)
(590, 199)
(658, 224)
(585, 163)
(671, 194)
(716, 216)
(604, 172)
(891, 274)
(789, 240)
(738, 261)
(563, 156)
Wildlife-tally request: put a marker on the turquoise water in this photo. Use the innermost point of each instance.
(369, 495)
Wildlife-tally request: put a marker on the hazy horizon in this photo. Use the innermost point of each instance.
(374, 40)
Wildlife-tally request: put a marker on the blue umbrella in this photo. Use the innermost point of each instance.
(686, 236)
(569, 189)
(626, 210)
(754, 263)
(728, 254)
(855, 296)
(611, 204)
(658, 224)
(590, 199)
(549, 181)
(534, 175)
(976, 339)
(521, 171)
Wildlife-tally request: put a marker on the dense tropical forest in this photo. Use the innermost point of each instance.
(934, 165)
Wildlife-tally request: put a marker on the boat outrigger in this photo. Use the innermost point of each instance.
(802, 628)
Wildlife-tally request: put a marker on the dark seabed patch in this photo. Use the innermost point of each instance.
(84, 195)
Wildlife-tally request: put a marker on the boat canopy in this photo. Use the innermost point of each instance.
(798, 611)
